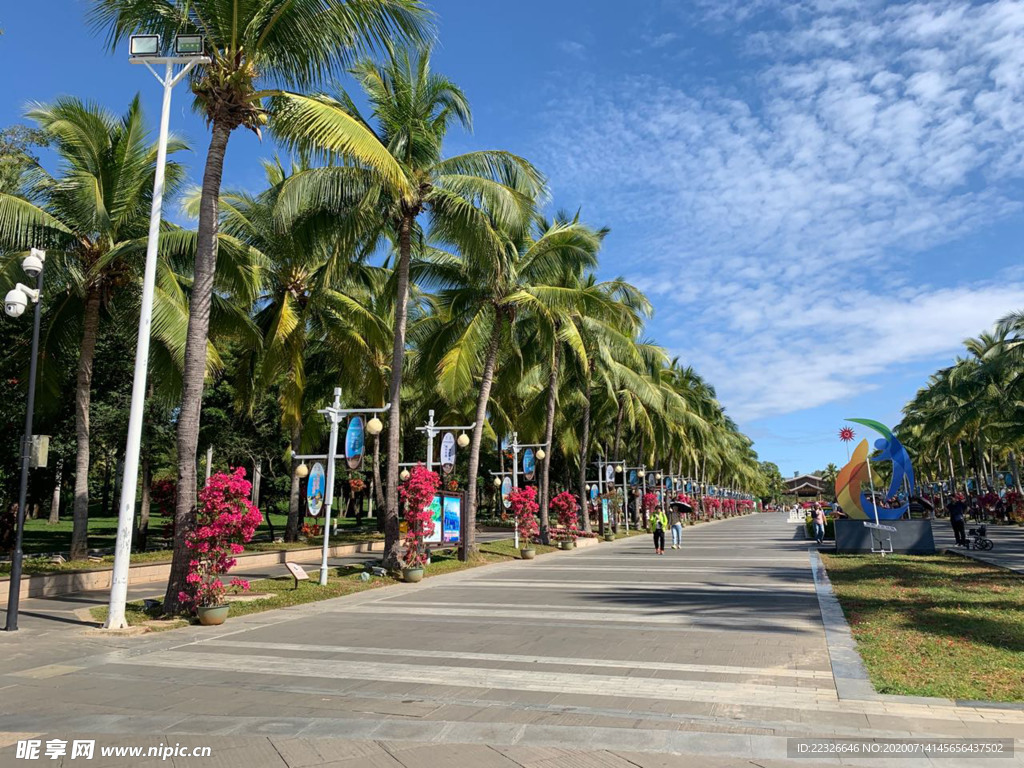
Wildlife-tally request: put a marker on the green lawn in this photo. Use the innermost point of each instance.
(942, 625)
(40, 536)
(340, 581)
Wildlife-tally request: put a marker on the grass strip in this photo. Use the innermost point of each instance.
(939, 625)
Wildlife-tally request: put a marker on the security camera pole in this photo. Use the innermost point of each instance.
(145, 49)
(14, 595)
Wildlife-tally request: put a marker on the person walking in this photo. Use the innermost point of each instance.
(675, 522)
(957, 514)
(818, 518)
(659, 522)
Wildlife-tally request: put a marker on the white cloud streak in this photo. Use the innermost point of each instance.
(782, 226)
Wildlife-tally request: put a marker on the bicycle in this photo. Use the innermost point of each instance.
(979, 538)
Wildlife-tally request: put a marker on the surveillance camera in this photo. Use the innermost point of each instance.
(15, 303)
(33, 263)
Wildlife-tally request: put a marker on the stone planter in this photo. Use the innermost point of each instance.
(566, 545)
(412, 575)
(213, 615)
(609, 537)
(528, 553)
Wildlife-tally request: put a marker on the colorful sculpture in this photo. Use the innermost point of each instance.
(851, 477)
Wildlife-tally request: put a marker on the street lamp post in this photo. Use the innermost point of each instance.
(433, 430)
(335, 414)
(606, 485)
(14, 305)
(145, 49)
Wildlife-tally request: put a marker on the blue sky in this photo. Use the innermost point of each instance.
(822, 197)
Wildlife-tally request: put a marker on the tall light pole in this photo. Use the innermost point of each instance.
(14, 305)
(145, 49)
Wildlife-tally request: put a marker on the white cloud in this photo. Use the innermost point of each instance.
(573, 48)
(780, 229)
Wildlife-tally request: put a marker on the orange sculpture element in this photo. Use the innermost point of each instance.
(849, 480)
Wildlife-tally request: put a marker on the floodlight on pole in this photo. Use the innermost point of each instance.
(144, 49)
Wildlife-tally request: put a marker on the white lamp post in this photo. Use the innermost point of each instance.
(145, 49)
(433, 430)
(335, 414)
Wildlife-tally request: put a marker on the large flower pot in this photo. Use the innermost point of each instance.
(213, 615)
(565, 545)
(528, 553)
(412, 575)
(609, 537)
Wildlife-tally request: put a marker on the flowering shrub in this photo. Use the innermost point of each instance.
(649, 502)
(163, 494)
(712, 505)
(565, 507)
(453, 485)
(357, 484)
(418, 493)
(524, 508)
(311, 530)
(225, 520)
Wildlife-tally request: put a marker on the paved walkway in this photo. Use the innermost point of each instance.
(1008, 551)
(710, 655)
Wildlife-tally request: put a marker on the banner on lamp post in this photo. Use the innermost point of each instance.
(529, 464)
(506, 489)
(355, 443)
(609, 473)
(316, 485)
(448, 453)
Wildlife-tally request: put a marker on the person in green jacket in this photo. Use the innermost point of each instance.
(659, 522)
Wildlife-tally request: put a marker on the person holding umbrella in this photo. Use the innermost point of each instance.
(676, 511)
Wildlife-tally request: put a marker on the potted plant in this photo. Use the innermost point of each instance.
(524, 507)
(565, 506)
(225, 521)
(418, 494)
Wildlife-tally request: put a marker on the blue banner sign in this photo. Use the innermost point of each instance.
(354, 442)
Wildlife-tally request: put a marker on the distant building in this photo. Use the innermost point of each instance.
(805, 485)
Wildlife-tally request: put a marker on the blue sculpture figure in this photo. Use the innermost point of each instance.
(890, 449)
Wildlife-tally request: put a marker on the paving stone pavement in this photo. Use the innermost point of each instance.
(1008, 551)
(713, 655)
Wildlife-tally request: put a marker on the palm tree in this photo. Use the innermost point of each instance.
(310, 312)
(93, 220)
(414, 109)
(482, 294)
(255, 48)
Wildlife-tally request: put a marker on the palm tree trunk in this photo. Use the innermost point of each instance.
(194, 375)
(378, 487)
(618, 432)
(57, 483)
(468, 548)
(952, 469)
(83, 398)
(545, 478)
(291, 530)
(584, 461)
(391, 532)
